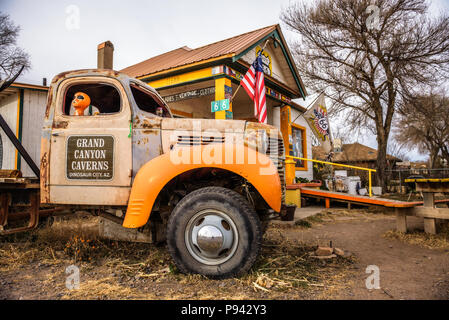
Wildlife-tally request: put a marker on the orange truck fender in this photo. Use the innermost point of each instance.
(255, 167)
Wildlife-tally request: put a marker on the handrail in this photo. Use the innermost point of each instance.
(340, 165)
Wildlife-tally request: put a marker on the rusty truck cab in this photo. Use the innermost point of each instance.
(92, 155)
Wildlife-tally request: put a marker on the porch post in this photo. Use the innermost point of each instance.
(286, 130)
(223, 90)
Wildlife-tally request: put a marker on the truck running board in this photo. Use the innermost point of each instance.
(33, 214)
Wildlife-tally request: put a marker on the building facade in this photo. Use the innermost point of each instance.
(190, 79)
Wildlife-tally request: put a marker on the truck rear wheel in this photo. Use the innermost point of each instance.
(214, 231)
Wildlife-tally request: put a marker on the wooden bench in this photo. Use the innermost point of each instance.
(428, 211)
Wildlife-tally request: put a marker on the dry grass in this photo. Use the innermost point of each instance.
(105, 288)
(422, 239)
(286, 264)
(122, 270)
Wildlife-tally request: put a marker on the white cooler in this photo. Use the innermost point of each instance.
(352, 184)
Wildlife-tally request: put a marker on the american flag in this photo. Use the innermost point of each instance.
(254, 84)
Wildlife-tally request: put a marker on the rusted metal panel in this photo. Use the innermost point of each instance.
(272, 131)
(10, 174)
(90, 195)
(60, 188)
(45, 171)
(141, 140)
(146, 146)
(4, 208)
(220, 126)
(200, 131)
(33, 215)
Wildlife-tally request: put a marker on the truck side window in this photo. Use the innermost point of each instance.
(146, 102)
(105, 98)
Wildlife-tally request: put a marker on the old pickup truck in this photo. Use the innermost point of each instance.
(203, 185)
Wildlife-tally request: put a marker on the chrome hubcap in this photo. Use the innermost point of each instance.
(211, 237)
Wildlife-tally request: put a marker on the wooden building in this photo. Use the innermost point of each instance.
(23, 108)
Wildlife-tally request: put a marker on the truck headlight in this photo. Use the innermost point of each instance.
(256, 139)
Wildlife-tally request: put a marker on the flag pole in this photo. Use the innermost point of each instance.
(240, 84)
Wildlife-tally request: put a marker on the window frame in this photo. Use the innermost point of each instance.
(303, 130)
(139, 86)
(74, 81)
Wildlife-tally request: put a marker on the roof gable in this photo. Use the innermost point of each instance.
(184, 55)
(239, 48)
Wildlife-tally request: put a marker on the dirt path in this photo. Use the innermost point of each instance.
(35, 267)
(406, 271)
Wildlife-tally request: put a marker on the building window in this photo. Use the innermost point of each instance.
(104, 98)
(299, 146)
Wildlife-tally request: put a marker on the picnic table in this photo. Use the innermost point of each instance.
(432, 215)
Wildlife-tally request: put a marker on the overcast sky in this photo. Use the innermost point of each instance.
(63, 35)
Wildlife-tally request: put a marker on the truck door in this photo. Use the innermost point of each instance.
(91, 153)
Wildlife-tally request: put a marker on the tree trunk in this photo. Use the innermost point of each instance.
(381, 162)
(433, 157)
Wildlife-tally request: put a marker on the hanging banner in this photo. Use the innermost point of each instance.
(318, 121)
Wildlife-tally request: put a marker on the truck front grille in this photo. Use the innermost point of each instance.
(199, 140)
(275, 151)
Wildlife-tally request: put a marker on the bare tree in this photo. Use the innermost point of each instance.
(424, 123)
(398, 150)
(368, 57)
(13, 60)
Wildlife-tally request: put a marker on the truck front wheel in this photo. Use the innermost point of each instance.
(214, 231)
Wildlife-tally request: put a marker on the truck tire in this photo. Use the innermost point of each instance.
(214, 231)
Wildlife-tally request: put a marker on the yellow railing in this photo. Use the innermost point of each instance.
(291, 166)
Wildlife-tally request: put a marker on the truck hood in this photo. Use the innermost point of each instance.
(203, 125)
(207, 125)
(174, 130)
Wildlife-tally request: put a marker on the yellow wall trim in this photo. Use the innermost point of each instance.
(186, 66)
(17, 129)
(180, 78)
